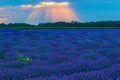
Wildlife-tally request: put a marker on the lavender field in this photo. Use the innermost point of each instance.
(62, 54)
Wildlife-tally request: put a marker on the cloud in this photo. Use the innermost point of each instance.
(1, 9)
(12, 14)
(3, 20)
(30, 6)
(20, 2)
(4, 15)
(20, 13)
(43, 4)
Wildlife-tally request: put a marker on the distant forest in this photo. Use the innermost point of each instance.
(73, 24)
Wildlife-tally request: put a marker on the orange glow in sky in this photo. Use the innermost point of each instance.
(52, 11)
(2, 20)
(63, 14)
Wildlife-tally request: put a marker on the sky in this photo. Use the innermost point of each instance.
(37, 11)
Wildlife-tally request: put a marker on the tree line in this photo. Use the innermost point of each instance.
(73, 24)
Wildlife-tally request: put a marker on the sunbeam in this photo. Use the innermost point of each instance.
(53, 12)
(42, 12)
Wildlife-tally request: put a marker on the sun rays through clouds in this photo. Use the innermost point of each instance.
(40, 13)
(51, 12)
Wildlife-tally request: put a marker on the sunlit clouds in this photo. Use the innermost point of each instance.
(54, 3)
(39, 13)
(3, 20)
(3, 15)
(31, 6)
(52, 12)
(44, 4)
(1, 9)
